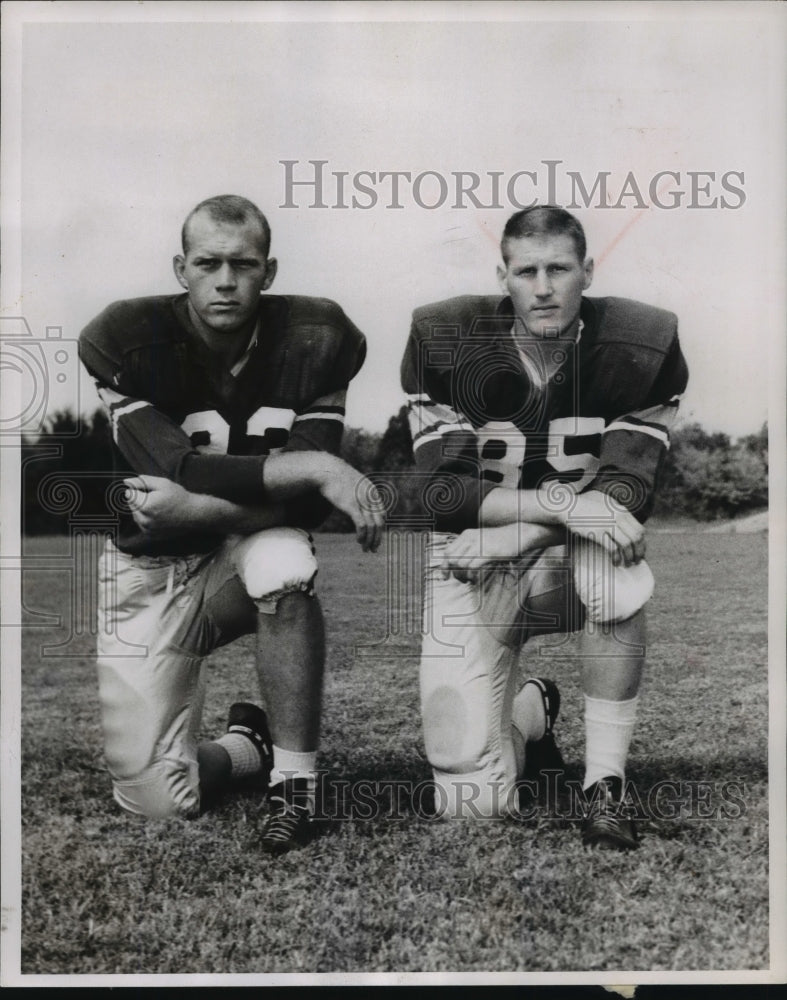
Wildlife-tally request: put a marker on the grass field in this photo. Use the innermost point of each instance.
(105, 894)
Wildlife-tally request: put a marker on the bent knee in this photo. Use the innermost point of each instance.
(487, 793)
(610, 593)
(276, 562)
(474, 768)
(167, 788)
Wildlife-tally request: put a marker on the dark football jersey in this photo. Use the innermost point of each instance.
(487, 411)
(176, 410)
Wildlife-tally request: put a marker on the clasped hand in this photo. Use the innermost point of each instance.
(598, 517)
(162, 508)
(159, 506)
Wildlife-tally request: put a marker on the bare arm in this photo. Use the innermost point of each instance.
(592, 515)
(477, 548)
(503, 506)
(163, 508)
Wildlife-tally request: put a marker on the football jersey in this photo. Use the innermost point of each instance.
(487, 410)
(177, 411)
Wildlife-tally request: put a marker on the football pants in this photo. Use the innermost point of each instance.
(158, 618)
(473, 635)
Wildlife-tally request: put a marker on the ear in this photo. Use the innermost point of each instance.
(588, 269)
(178, 266)
(271, 267)
(501, 277)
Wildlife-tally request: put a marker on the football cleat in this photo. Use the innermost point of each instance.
(608, 816)
(250, 721)
(544, 755)
(289, 820)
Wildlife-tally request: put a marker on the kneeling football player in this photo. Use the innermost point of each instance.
(226, 412)
(544, 417)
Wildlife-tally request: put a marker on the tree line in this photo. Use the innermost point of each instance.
(67, 477)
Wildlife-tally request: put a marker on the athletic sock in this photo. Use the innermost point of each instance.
(243, 754)
(288, 764)
(609, 726)
(527, 713)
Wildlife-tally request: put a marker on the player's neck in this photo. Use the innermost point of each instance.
(545, 355)
(544, 344)
(229, 346)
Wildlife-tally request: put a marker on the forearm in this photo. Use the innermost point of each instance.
(507, 541)
(289, 474)
(162, 507)
(210, 513)
(538, 536)
(505, 506)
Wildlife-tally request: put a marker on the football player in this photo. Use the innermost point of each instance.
(226, 409)
(544, 417)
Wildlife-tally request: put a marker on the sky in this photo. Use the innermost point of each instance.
(129, 116)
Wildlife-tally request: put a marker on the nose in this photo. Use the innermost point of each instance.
(543, 284)
(225, 277)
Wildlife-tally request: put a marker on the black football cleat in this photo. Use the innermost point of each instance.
(544, 754)
(250, 721)
(608, 817)
(289, 821)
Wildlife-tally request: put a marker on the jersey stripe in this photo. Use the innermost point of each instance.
(118, 406)
(337, 414)
(635, 426)
(322, 409)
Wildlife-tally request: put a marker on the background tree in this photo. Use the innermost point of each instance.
(708, 476)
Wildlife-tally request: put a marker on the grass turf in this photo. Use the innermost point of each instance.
(391, 890)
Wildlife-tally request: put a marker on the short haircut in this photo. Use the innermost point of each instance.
(544, 220)
(229, 208)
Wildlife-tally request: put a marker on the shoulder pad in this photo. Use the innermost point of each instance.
(308, 309)
(322, 331)
(133, 323)
(462, 312)
(626, 321)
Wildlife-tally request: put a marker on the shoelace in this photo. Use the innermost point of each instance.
(284, 821)
(606, 807)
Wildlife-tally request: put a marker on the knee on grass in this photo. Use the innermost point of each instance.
(474, 767)
(488, 793)
(166, 788)
(610, 593)
(276, 562)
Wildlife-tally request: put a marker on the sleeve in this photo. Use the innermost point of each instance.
(445, 447)
(634, 444)
(318, 427)
(155, 445)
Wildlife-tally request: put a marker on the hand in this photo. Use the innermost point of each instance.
(599, 518)
(474, 549)
(160, 507)
(356, 496)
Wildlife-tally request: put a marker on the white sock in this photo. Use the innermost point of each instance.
(609, 726)
(243, 754)
(288, 764)
(527, 713)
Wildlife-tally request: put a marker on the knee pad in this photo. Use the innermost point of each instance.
(167, 788)
(275, 562)
(609, 593)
